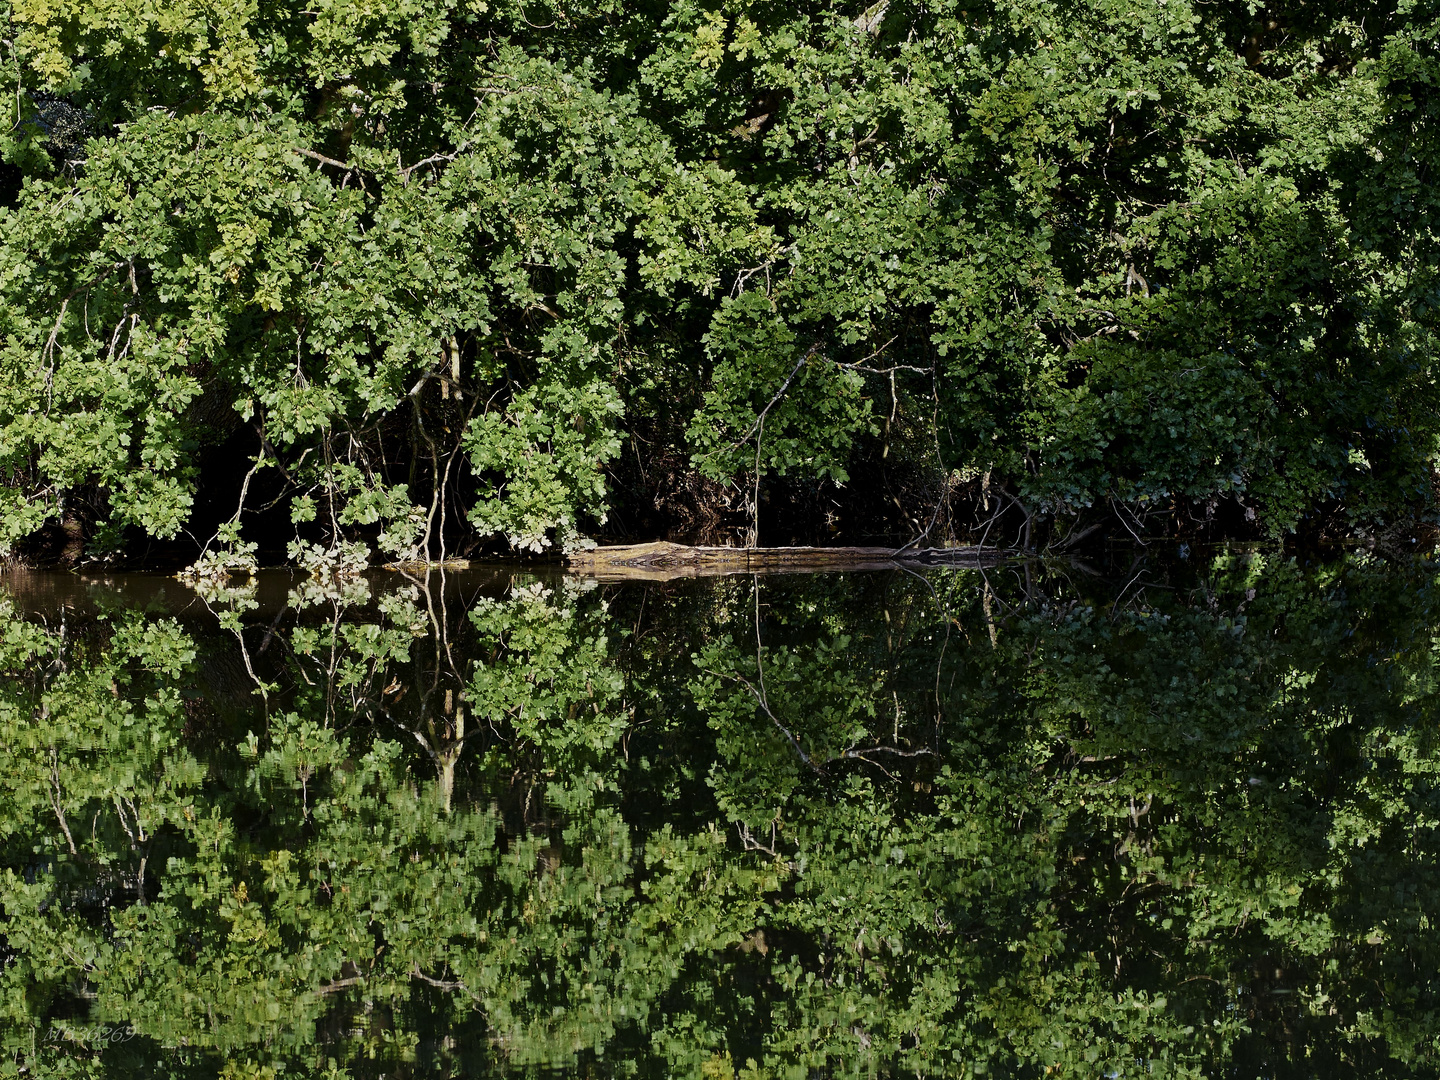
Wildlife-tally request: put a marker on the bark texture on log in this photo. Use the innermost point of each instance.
(662, 561)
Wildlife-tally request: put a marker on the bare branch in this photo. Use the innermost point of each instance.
(760, 420)
(312, 155)
(439, 984)
(433, 159)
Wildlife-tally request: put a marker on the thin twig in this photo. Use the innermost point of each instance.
(56, 796)
(760, 420)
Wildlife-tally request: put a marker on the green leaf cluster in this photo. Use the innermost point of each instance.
(868, 825)
(458, 254)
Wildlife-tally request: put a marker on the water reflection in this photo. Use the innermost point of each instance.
(1022, 822)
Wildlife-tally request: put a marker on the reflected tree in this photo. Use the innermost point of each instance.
(1018, 822)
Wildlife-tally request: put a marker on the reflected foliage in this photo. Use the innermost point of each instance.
(1024, 822)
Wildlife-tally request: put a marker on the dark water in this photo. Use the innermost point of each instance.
(1178, 819)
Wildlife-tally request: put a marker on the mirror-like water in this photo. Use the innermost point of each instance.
(1018, 822)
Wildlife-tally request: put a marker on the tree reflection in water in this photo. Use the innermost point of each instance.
(1024, 822)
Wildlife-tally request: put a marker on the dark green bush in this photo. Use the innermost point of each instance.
(447, 258)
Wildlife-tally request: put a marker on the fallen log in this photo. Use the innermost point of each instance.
(663, 561)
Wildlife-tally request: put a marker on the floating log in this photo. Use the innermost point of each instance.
(662, 561)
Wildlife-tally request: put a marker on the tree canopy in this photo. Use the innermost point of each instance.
(476, 269)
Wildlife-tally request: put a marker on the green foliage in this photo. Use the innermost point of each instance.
(872, 825)
(801, 413)
(1156, 254)
(550, 448)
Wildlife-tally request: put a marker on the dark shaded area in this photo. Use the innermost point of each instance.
(12, 181)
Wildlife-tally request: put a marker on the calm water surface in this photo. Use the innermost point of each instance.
(1174, 818)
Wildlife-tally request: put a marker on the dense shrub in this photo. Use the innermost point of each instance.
(446, 259)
